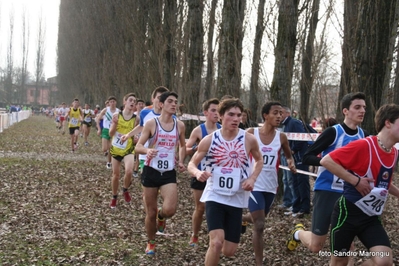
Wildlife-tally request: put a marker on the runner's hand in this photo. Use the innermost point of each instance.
(364, 187)
(202, 176)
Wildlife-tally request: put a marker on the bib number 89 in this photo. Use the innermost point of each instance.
(162, 164)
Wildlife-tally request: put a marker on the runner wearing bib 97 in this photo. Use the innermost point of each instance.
(328, 187)
(164, 134)
(229, 178)
(122, 147)
(271, 141)
(368, 181)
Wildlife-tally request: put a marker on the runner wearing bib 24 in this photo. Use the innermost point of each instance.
(368, 181)
(328, 187)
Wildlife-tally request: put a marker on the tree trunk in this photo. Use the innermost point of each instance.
(230, 48)
(195, 56)
(254, 86)
(373, 40)
(280, 88)
(210, 64)
(306, 82)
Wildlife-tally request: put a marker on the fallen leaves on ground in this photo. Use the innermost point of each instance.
(54, 209)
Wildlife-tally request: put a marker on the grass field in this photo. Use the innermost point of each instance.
(54, 209)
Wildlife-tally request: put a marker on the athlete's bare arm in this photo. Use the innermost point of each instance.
(202, 150)
(287, 152)
(114, 124)
(182, 145)
(251, 144)
(194, 138)
(148, 131)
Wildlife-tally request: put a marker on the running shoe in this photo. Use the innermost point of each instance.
(150, 250)
(113, 204)
(108, 166)
(291, 242)
(244, 227)
(127, 197)
(75, 146)
(86, 143)
(161, 223)
(135, 174)
(193, 241)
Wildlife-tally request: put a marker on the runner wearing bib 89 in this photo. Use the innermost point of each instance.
(149, 113)
(328, 187)
(122, 147)
(75, 117)
(164, 133)
(229, 178)
(367, 183)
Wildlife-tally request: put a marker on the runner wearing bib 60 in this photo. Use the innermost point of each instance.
(328, 187)
(229, 179)
(122, 147)
(368, 181)
(164, 134)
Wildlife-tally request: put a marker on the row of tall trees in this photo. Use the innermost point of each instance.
(196, 47)
(15, 74)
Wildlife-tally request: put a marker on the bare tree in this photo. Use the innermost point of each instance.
(40, 51)
(350, 20)
(254, 86)
(306, 82)
(209, 58)
(230, 48)
(25, 53)
(285, 51)
(195, 55)
(10, 62)
(375, 22)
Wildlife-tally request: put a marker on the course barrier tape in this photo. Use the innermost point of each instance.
(8, 119)
(298, 171)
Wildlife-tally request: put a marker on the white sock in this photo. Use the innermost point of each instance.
(296, 235)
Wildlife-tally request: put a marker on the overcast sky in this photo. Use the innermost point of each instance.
(50, 11)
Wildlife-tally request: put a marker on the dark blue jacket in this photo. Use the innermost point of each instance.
(298, 147)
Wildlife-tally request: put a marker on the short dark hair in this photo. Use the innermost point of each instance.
(207, 103)
(76, 100)
(267, 106)
(386, 112)
(166, 94)
(350, 97)
(228, 104)
(140, 101)
(112, 98)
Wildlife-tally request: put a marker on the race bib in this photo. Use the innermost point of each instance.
(74, 121)
(338, 183)
(163, 162)
(374, 202)
(116, 141)
(87, 119)
(226, 180)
